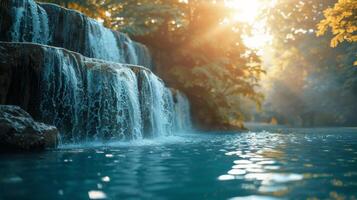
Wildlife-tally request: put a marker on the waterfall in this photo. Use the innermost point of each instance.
(29, 23)
(130, 101)
(113, 103)
(169, 110)
(88, 99)
(144, 56)
(39, 24)
(18, 14)
(62, 93)
(157, 106)
(74, 31)
(91, 99)
(50, 24)
(91, 82)
(131, 57)
(101, 43)
(182, 111)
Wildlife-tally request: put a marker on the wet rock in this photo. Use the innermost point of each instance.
(19, 132)
(20, 71)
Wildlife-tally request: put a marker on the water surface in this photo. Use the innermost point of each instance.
(274, 163)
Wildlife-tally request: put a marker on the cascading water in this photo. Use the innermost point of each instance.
(106, 102)
(157, 106)
(169, 111)
(143, 55)
(182, 111)
(17, 15)
(130, 101)
(53, 25)
(99, 37)
(62, 93)
(130, 55)
(113, 103)
(29, 23)
(74, 31)
(87, 98)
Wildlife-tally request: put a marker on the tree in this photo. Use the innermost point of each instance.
(136, 17)
(207, 59)
(342, 19)
(310, 84)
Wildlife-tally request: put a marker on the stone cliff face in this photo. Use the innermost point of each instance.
(20, 74)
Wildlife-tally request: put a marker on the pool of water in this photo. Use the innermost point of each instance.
(274, 163)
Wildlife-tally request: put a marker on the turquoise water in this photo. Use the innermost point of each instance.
(272, 164)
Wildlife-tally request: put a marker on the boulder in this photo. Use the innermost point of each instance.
(19, 132)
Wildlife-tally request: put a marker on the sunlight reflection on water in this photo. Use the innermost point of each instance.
(96, 194)
(259, 157)
(253, 197)
(257, 165)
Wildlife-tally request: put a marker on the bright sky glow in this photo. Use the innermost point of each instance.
(259, 37)
(248, 12)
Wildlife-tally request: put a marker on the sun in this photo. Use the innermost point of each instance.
(248, 11)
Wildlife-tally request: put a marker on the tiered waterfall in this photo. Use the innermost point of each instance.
(91, 82)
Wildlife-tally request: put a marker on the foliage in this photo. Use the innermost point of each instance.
(206, 58)
(135, 17)
(309, 83)
(342, 19)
